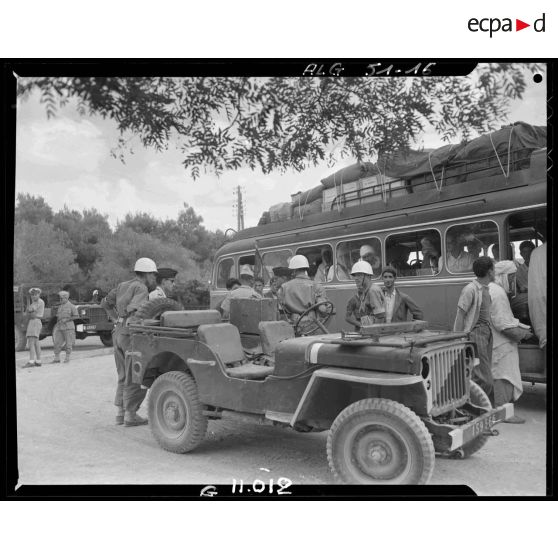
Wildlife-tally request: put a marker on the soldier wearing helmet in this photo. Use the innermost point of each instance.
(301, 292)
(246, 290)
(367, 306)
(121, 304)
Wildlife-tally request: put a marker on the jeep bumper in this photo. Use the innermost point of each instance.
(463, 434)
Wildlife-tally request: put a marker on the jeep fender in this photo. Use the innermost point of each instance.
(331, 389)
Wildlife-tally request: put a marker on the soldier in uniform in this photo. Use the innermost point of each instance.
(64, 333)
(165, 283)
(245, 290)
(121, 304)
(368, 306)
(300, 293)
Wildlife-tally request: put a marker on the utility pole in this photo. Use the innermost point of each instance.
(239, 205)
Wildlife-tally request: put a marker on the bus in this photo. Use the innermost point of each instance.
(495, 203)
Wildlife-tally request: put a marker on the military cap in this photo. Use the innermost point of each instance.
(281, 271)
(166, 273)
(35, 290)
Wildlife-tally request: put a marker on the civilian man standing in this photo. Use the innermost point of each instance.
(473, 315)
(398, 304)
(121, 304)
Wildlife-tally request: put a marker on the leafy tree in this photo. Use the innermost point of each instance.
(223, 123)
(32, 209)
(85, 230)
(42, 254)
(140, 222)
(118, 254)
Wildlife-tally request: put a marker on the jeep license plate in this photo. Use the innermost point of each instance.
(90, 327)
(470, 431)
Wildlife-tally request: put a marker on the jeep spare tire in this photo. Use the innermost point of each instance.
(380, 441)
(175, 413)
(152, 309)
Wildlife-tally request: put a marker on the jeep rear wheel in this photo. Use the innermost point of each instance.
(379, 441)
(479, 399)
(106, 338)
(175, 412)
(152, 309)
(20, 339)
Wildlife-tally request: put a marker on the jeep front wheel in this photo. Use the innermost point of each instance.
(175, 412)
(106, 338)
(20, 339)
(379, 441)
(480, 399)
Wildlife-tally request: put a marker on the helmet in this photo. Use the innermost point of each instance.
(362, 267)
(299, 262)
(145, 265)
(366, 249)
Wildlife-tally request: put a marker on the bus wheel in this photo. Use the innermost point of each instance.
(379, 441)
(479, 399)
(106, 338)
(20, 339)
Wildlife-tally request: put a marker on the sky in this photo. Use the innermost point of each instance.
(67, 160)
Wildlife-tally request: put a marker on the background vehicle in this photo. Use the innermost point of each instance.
(391, 398)
(93, 320)
(500, 200)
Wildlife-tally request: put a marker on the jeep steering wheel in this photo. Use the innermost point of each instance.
(317, 319)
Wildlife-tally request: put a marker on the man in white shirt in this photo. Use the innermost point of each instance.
(459, 261)
(165, 283)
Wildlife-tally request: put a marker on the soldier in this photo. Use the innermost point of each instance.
(64, 333)
(121, 304)
(35, 311)
(165, 283)
(368, 305)
(300, 293)
(245, 290)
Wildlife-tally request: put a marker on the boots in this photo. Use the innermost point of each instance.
(56, 359)
(67, 359)
(133, 419)
(120, 416)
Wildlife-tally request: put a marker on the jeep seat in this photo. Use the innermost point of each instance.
(224, 340)
(189, 318)
(272, 333)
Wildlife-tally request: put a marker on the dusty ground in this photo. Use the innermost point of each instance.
(67, 435)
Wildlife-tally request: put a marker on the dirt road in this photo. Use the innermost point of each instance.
(67, 435)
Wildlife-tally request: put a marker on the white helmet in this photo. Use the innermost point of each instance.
(362, 267)
(299, 262)
(246, 270)
(145, 265)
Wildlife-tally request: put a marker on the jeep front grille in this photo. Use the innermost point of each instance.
(96, 315)
(449, 376)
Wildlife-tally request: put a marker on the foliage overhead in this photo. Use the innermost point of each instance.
(223, 123)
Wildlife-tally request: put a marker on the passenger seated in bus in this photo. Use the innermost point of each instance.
(245, 290)
(458, 260)
(398, 305)
(474, 246)
(520, 302)
(300, 293)
(368, 254)
(324, 272)
(431, 262)
(259, 285)
(496, 252)
(397, 256)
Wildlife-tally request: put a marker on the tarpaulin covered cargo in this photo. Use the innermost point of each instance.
(280, 212)
(308, 196)
(410, 163)
(352, 173)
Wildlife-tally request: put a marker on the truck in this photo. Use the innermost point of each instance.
(93, 320)
(392, 396)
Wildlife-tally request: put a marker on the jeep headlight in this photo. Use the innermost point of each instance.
(83, 312)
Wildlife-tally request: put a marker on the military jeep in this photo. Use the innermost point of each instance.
(392, 396)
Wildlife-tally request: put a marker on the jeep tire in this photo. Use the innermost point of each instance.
(175, 412)
(20, 339)
(152, 309)
(379, 441)
(479, 399)
(106, 338)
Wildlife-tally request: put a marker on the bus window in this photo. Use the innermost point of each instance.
(320, 258)
(280, 258)
(415, 253)
(348, 253)
(466, 243)
(526, 226)
(225, 270)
